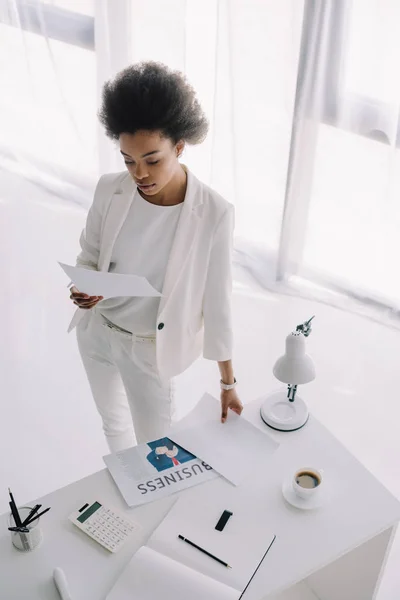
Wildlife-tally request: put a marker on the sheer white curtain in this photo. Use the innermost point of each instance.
(240, 56)
(342, 211)
(48, 94)
(303, 102)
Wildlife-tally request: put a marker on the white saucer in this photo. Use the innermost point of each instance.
(305, 504)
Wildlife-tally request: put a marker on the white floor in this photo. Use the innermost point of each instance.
(50, 434)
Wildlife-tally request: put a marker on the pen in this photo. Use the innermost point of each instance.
(204, 551)
(18, 529)
(37, 516)
(14, 510)
(15, 514)
(29, 517)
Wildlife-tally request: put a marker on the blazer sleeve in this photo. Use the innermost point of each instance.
(89, 241)
(217, 301)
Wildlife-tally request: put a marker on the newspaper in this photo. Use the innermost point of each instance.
(155, 470)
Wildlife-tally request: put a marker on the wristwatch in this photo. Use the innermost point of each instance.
(227, 387)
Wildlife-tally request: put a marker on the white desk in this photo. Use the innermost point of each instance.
(334, 553)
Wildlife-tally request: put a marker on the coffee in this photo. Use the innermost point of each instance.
(308, 480)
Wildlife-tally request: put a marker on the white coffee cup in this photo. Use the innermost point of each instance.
(307, 482)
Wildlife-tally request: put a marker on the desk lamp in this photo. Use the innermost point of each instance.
(285, 410)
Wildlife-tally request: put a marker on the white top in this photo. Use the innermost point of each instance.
(142, 248)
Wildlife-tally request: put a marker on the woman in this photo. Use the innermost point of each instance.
(159, 221)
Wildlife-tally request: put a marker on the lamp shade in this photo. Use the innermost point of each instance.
(295, 366)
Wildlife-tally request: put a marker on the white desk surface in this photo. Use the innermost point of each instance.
(358, 509)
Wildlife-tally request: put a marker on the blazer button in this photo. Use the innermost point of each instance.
(160, 326)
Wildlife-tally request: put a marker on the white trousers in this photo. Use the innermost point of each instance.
(134, 404)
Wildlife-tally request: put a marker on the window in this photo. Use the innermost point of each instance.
(48, 100)
(351, 217)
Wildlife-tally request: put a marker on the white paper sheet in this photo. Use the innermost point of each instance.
(108, 285)
(152, 576)
(235, 449)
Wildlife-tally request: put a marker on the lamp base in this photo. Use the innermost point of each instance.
(280, 414)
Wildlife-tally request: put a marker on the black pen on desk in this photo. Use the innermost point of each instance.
(14, 510)
(33, 512)
(37, 516)
(204, 551)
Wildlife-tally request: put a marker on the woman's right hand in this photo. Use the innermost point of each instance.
(83, 300)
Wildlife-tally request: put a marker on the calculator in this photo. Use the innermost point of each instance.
(105, 525)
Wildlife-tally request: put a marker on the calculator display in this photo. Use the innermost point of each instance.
(89, 512)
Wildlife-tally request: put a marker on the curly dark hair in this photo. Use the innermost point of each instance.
(149, 96)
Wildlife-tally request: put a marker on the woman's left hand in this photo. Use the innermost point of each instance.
(230, 399)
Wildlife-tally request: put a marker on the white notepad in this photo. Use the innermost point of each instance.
(151, 575)
(170, 569)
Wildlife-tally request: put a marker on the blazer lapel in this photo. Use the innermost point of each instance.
(185, 237)
(114, 218)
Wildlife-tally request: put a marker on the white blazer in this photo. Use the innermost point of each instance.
(195, 308)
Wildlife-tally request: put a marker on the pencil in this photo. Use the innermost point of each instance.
(204, 551)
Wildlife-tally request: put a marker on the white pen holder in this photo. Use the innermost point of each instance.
(26, 542)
